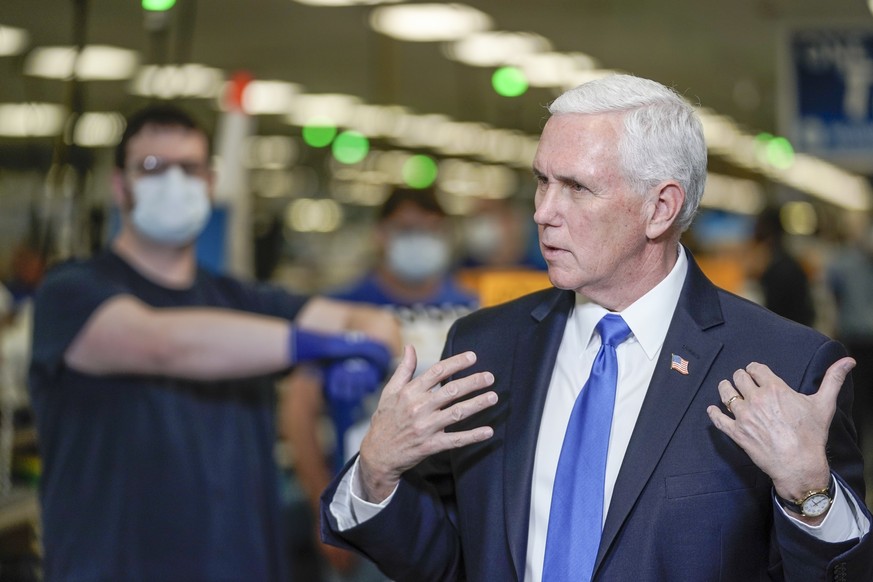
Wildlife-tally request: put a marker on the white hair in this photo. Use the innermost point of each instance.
(663, 138)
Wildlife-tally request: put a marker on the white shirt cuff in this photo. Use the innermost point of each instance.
(844, 521)
(347, 506)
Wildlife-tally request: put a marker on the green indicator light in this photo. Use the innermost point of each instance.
(509, 82)
(780, 153)
(419, 171)
(158, 5)
(319, 134)
(350, 147)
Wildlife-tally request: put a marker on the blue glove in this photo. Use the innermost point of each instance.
(346, 384)
(307, 346)
(350, 381)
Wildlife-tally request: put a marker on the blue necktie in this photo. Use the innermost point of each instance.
(576, 514)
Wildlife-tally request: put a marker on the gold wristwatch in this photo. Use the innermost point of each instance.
(813, 503)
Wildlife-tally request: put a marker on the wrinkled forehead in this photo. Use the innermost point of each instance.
(570, 137)
(168, 141)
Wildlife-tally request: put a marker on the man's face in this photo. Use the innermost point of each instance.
(156, 148)
(591, 224)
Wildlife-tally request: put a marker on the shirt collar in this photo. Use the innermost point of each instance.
(648, 317)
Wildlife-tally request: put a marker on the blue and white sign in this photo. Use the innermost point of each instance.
(831, 87)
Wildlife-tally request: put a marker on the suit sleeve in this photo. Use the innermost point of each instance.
(804, 557)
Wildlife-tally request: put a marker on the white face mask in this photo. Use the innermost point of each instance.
(414, 257)
(483, 236)
(171, 208)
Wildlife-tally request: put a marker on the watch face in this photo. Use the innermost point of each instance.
(815, 505)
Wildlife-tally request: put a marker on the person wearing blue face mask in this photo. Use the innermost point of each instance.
(412, 274)
(153, 383)
(414, 243)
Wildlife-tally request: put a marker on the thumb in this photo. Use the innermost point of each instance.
(834, 378)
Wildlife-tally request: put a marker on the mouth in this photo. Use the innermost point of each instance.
(550, 251)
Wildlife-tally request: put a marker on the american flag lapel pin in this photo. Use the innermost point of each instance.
(679, 364)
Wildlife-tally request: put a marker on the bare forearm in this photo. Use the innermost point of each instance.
(126, 337)
(212, 344)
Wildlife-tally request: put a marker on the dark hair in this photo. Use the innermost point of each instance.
(425, 199)
(164, 115)
(768, 226)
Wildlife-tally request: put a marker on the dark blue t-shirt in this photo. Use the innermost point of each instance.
(153, 478)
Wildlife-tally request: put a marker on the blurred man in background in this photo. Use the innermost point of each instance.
(152, 381)
(412, 277)
(784, 282)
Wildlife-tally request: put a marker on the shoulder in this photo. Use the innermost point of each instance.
(527, 308)
(72, 274)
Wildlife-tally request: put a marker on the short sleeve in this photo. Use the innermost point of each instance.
(66, 299)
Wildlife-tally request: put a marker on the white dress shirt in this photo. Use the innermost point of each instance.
(649, 319)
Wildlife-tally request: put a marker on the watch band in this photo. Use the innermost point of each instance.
(797, 505)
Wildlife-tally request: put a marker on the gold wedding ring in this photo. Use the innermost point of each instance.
(731, 401)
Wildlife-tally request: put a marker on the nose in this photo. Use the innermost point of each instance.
(545, 206)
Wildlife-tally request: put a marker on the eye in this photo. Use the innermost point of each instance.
(575, 187)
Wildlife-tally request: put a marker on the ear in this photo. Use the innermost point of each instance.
(663, 209)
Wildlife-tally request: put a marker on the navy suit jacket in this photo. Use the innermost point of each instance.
(688, 503)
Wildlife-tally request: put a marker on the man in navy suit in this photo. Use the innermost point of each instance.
(718, 467)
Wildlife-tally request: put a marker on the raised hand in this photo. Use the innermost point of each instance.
(783, 431)
(409, 423)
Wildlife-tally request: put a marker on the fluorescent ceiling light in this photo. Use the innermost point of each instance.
(173, 81)
(495, 48)
(429, 22)
(31, 119)
(345, 2)
(95, 129)
(555, 69)
(337, 108)
(95, 63)
(269, 97)
(13, 41)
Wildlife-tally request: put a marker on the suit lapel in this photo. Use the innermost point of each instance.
(668, 397)
(536, 349)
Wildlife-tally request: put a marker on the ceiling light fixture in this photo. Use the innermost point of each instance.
(345, 2)
(94, 63)
(429, 22)
(495, 48)
(13, 41)
(31, 119)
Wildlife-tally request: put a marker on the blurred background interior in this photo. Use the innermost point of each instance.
(319, 107)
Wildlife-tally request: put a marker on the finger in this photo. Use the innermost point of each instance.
(456, 440)
(461, 410)
(444, 369)
(834, 378)
(461, 387)
(762, 375)
(722, 422)
(726, 390)
(743, 382)
(405, 369)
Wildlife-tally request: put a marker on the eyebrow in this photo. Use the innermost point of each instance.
(562, 179)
